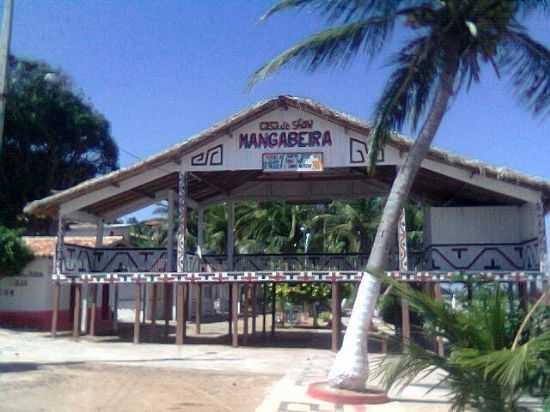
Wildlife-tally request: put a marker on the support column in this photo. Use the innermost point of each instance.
(245, 311)
(543, 251)
(200, 230)
(154, 304)
(115, 308)
(181, 315)
(58, 268)
(235, 314)
(170, 261)
(76, 314)
(182, 223)
(93, 309)
(55, 307)
(273, 307)
(84, 320)
(59, 246)
(264, 308)
(181, 301)
(230, 309)
(336, 317)
(198, 307)
(404, 267)
(167, 290)
(230, 241)
(137, 312)
(254, 307)
(99, 233)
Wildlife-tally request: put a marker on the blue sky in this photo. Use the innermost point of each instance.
(161, 71)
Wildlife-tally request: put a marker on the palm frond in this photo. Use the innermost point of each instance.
(407, 92)
(528, 6)
(341, 10)
(334, 46)
(528, 62)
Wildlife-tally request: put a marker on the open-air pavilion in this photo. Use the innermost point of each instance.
(481, 222)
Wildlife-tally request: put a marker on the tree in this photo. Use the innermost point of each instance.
(54, 138)
(447, 44)
(495, 357)
(14, 254)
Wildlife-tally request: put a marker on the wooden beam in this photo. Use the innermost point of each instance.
(336, 315)
(55, 307)
(76, 313)
(213, 185)
(198, 307)
(235, 314)
(137, 312)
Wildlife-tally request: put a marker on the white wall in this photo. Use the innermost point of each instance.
(32, 291)
(481, 238)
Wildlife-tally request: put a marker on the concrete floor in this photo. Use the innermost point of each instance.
(41, 373)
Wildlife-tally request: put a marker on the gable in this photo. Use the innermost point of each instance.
(261, 142)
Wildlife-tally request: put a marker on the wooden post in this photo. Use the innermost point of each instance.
(264, 308)
(55, 308)
(254, 307)
(230, 309)
(198, 307)
(115, 308)
(76, 314)
(167, 289)
(523, 295)
(181, 315)
(230, 240)
(235, 314)
(245, 311)
(404, 267)
(154, 304)
(336, 314)
(273, 307)
(137, 312)
(93, 309)
(170, 266)
(84, 318)
(439, 340)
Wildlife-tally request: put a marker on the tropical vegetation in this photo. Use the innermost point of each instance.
(447, 43)
(53, 139)
(494, 357)
(14, 254)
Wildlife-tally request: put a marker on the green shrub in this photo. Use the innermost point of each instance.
(14, 254)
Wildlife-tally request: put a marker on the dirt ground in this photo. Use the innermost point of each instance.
(87, 388)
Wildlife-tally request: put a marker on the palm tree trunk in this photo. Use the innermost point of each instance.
(351, 368)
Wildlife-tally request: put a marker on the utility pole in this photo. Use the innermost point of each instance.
(5, 38)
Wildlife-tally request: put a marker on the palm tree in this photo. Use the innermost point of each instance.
(271, 227)
(349, 227)
(449, 40)
(495, 357)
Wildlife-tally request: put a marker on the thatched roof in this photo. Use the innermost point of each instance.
(50, 204)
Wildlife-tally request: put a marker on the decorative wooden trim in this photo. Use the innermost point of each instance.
(295, 276)
(182, 222)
